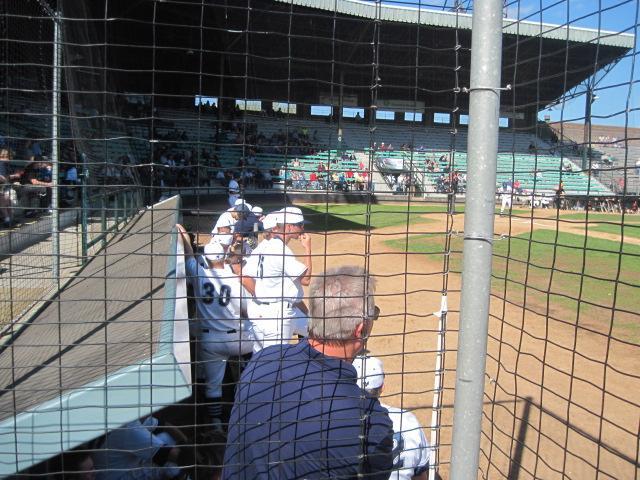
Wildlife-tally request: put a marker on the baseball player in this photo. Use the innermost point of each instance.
(221, 318)
(234, 191)
(246, 227)
(224, 229)
(278, 311)
(507, 193)
(258, 212)
(410, 447)
(136, 451)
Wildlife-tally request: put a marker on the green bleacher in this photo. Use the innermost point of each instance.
(230, 155)
(511, 167)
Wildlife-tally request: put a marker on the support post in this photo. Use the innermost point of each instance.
(586, 143)
(484, 108)
(55, 150)
(85, 207)
(340, 108)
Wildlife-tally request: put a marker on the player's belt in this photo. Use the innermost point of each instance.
(289, 304)
(207, 330)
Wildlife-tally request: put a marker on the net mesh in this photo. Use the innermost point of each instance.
(357, 113)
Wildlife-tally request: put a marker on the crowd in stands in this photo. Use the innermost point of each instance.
(327, 176)
(295, 141)
(28, 186)
(610, 141)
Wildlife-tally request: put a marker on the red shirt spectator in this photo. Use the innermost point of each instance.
(349, 173)
(313, 177)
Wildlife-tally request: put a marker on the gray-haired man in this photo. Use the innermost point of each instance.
(298, 411)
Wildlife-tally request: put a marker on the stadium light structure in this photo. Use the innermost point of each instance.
(586, 144)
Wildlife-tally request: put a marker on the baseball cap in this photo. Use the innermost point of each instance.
(370, 372)
(257, 210)
(224, 239)
(241, 205)
(289, 215)
(214, 251)
(269, 221)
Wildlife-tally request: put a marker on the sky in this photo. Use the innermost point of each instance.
(617, 92)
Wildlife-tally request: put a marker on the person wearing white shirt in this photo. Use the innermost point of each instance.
(224, 228)
(278, 310)
(221, 327)
(234, 192)
(507, 194)
(411, 451)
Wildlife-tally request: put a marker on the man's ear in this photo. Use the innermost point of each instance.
(359, 331)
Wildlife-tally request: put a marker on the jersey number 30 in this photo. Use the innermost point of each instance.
(210, 292)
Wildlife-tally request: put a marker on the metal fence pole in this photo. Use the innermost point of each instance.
(484, 110)
(55, 150)
(84, 202)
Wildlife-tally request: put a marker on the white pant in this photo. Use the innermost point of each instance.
(275, 323)
(214, 349)
(506, 202)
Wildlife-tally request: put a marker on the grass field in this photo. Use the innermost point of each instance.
(601, 217)
(333, 217)
(555, 270)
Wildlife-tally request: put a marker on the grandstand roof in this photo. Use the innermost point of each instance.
(304, 50)
(452, 19)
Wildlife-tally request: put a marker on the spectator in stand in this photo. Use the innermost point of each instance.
(517, 186)
(359, 182)
(36, 184)
(313, 179)
(7, 195)
(70, 182)
(267, 179)
(234, 191)
(560, 195)
(638, 167)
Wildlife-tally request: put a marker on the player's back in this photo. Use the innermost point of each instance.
(410, 447)
(220, 298)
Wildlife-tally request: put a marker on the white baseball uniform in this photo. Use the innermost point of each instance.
(234, 192)
(273, 314)
(220, 300)
(224, 220)
(410, 447)
(506, 198)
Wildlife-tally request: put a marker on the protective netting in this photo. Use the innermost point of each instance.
(357, 114)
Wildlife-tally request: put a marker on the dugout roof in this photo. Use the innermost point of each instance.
(105, 351)
(304, 50)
